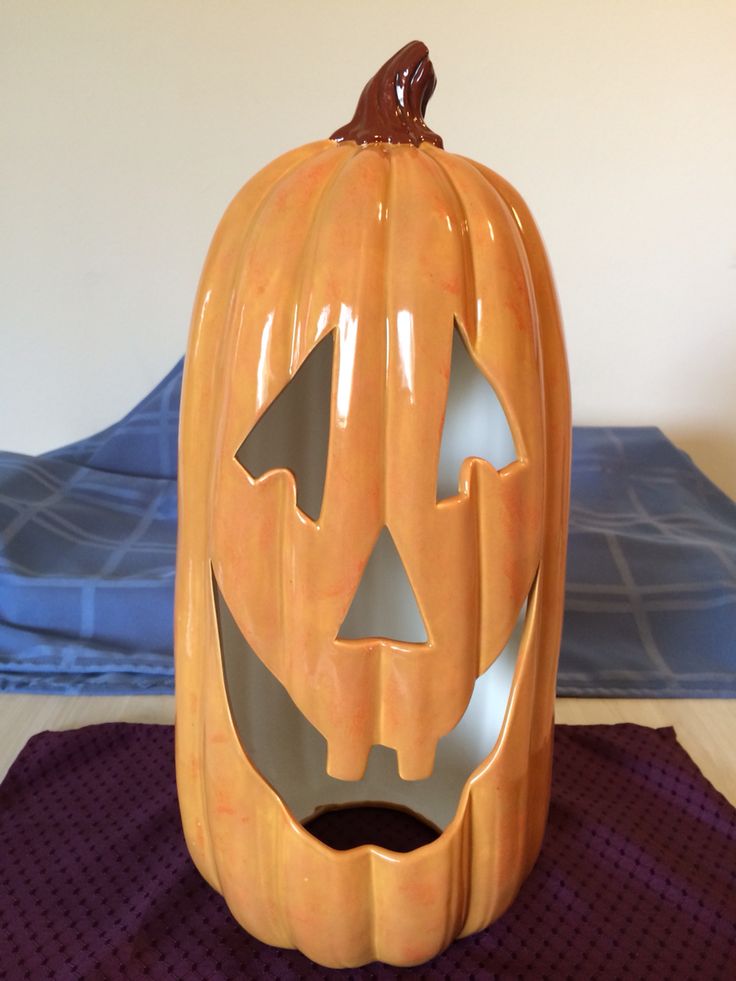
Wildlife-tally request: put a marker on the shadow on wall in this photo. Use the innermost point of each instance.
(710, 438)
(713, 450)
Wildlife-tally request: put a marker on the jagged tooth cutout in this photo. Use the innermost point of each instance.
(384, 604)
(293, 433)
(475, 423)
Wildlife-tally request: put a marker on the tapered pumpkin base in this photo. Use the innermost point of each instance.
(346, 908)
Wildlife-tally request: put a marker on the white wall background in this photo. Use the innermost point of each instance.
(128, 125)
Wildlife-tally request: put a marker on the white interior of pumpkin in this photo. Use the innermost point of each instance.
(288, 751)
(291, 754)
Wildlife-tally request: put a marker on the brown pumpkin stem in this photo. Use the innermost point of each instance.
(392, 105)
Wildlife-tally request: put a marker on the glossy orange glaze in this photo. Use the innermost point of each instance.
(389, 246)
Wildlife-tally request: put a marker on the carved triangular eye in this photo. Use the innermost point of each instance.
(384, 604)
(293, 433)
(475, 422)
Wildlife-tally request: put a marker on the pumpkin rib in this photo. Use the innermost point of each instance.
(367, 286)
(238, 285)
(326, 215)
(480, 194)
(381, 671)
(470, 329)
(557, 443)
(308, 259)
(300, 305)
(194, 398)
(554, 367)
(470, 319)
(195, 346)
(412, 258)
(486, 188)
(251, 309)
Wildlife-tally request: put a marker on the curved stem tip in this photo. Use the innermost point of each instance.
(392, 105)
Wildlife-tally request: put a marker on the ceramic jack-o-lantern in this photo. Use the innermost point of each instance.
(373, 487)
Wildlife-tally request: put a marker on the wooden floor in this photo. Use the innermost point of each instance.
(706, 728)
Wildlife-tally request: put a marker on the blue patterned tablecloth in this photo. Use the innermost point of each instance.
(650, 605)
(87, 546)
(88, 536)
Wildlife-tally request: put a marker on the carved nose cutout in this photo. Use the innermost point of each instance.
(384, 604)
(475, 422)
(293, 433)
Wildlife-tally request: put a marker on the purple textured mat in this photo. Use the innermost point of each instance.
(637, 876)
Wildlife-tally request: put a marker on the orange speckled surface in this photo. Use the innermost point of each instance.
(392, 247)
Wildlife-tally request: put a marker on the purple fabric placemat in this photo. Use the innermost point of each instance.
(637, 876)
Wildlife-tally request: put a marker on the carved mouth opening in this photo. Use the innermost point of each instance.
(291, 754)
(353, 825)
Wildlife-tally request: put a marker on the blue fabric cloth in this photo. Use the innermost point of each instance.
(87, 544)
(650, 606)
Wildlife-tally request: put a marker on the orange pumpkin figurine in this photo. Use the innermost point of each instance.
(375, 393)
